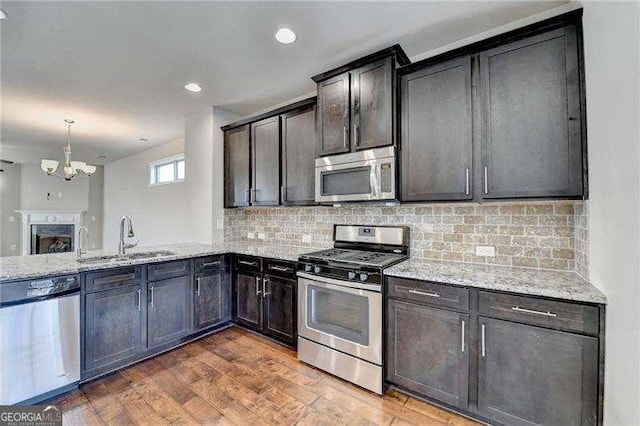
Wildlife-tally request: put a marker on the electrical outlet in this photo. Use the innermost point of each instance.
(12, 219)
(93, 218)
(489, 251)
(261, 236)
(306, 238)
(251, 235)
(60, 194)
(219, 224)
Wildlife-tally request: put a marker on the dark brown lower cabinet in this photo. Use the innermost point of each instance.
(212, 303)
(428, 351)
(168, 314)
(531, 375)
(248, 309)
(280, 308)
(113, 326)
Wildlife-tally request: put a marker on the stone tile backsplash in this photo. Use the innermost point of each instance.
(534, 234)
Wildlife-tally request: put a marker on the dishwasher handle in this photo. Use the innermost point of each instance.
(29, 291)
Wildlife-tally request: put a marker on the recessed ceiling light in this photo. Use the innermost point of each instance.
(285, 36)
(143, 139)
(3, 14)
(193, 87)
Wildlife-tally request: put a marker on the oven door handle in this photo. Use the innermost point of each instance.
(339, 284)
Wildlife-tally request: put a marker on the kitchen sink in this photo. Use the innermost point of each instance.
(114, 258)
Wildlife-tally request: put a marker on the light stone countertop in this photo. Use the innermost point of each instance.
(25, 267)
(526, 281)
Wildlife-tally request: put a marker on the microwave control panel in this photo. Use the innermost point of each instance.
(385, 177)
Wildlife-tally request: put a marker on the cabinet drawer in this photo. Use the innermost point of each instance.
(105, 280)
(167, 270)
(430, 293)
(280, 268)
(209, 263)
(248, 263)
(548, 313)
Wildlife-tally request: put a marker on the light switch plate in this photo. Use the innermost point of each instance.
(488, 251)
(251, 235)
(60, 194)
(261, 236)
(12, 219)
(93, 218)
(306, 238)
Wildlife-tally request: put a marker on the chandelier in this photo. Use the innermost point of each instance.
(71, 168)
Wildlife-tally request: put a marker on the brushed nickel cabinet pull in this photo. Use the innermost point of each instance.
(283, 193)
(279, 268)
(246, 195)
(207, 264)
(356, 135)
(466, 181)
(151, 297)
(257, 286)
(244, 262)
(423, 293)
(463, 326)
(344, 136)
(198, 286)
(533, 312)
(265, 282)
(486, 180)
(138, 299)
(482, 339)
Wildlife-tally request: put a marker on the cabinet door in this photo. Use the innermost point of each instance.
(333, 119)
(265, 150)
(248, 299)
(212, 299)
(428, 351)
(372, 105)
(298, 157)
(236, 167)
(279, 308)
(531, 141)
(113, 326)
(436, 135)
(530, 375)
(169, 312)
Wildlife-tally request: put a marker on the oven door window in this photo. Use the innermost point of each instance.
(339, 314)
(350, 181)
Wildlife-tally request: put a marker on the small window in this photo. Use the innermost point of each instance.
(168, 170)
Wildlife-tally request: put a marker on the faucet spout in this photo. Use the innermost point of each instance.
(80, 244)
(126, 221)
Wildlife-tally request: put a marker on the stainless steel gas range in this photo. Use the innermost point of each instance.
(340, 301)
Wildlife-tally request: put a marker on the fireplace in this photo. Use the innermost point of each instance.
(49, 231)
(47, 238)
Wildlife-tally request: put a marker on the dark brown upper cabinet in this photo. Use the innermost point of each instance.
(236, 167)
(298, 157)
(532, 144)
(436, 132)
(265, 159)
(356, 103)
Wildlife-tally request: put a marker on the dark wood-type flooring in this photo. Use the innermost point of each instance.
(236, 377)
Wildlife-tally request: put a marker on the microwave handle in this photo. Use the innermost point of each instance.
(377, 179)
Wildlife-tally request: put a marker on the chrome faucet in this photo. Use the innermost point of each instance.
(123, 246)
(79, 244)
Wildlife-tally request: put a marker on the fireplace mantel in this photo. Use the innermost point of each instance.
(44, 217)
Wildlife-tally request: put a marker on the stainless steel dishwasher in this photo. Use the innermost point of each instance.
(39, 338)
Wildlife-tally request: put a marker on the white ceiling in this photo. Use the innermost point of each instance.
(118, 68)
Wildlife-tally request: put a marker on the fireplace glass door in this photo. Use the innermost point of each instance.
(47, 238)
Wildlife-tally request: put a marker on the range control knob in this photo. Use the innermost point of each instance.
(307, 268)
(363, 277)
(351, 275)
(316, 269)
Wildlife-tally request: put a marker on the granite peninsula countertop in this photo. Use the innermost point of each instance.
(25, 267)
(526, 281)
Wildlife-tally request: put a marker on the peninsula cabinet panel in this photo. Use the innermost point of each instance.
(530, 375)
(236, 167)
(169, 310)
(436, 132)
(531, 118)
(333, 120)
(298, 157)
(428, 351)
(372, 105)
(265, 151)
(113, 326)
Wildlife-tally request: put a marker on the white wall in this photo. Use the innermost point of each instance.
(36, 185)
(158, 212)
(10, 229)
(611, 57)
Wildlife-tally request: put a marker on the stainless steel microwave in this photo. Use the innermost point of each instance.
(359, 176)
